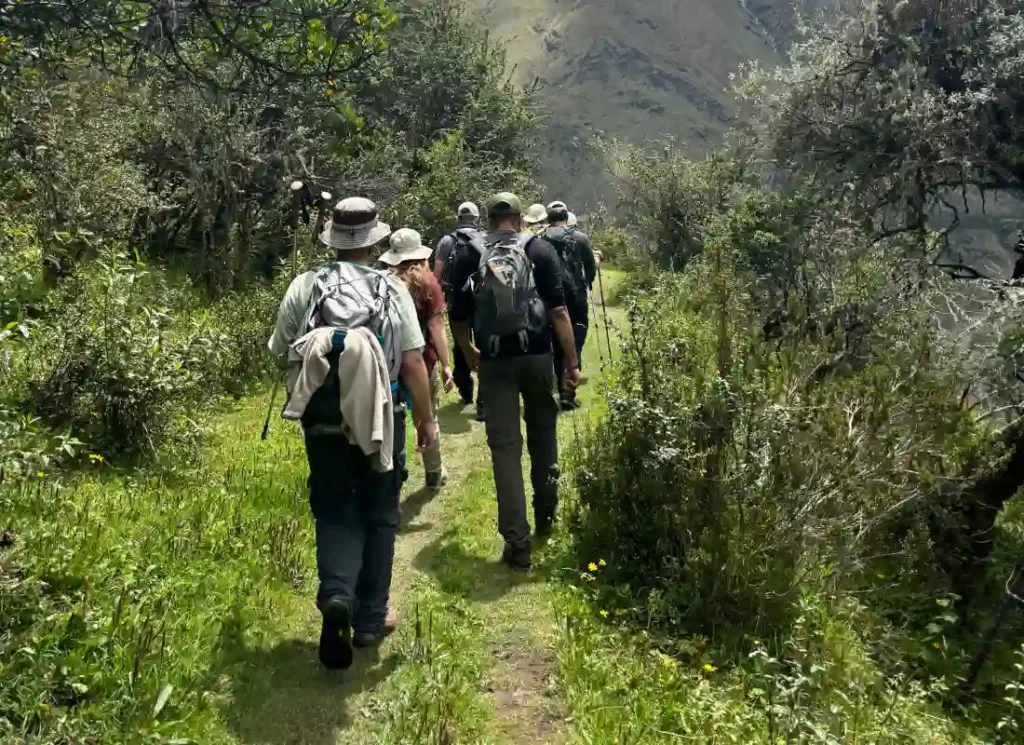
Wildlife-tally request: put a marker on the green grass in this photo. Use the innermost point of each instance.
(177, 606)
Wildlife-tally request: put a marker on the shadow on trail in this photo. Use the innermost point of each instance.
(282, 695)
(412, 506)
(454, 419)
(460, 573)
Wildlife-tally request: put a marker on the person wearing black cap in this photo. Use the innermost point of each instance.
(468, 228)
(509, 289)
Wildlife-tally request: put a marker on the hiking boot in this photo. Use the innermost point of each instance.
(364, 639)
(466, 400)
(545, 526)
(437, 479)
(518, 559)
(336, 634)
(570, 404)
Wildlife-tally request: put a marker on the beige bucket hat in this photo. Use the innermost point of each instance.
(354, 224)
(536, 214)
(406, 245)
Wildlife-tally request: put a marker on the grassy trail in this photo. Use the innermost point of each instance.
(477, 665)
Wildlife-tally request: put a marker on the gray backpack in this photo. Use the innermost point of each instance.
(349, 296)
(507, 302)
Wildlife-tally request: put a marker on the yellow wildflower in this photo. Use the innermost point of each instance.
(602, 562)
(592, 566)
(936, 645)
(708, 667)
(604, 613)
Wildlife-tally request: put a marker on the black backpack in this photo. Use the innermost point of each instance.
(564, 242)
(461, 238)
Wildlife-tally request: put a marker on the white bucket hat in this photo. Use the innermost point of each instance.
(572, 220)
(557, 207)
(406, 245)
(468, 209)
(535, 214)
(354, 224)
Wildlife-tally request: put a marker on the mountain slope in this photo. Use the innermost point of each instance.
(637, 69)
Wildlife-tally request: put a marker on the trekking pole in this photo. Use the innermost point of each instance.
(597, 327)
(296, 188)
(604, 312)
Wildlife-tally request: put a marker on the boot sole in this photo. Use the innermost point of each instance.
(336, 639)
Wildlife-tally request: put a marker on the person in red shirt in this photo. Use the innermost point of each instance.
(408, 261)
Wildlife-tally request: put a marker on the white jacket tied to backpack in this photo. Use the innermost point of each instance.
(327, 306)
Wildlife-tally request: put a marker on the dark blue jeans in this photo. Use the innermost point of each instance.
(357, 514)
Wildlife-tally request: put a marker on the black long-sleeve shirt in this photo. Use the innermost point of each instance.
(547, 276)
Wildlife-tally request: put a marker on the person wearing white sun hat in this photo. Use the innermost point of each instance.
(355, 324)
(408, 261)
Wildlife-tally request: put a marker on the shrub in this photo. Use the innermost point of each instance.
(117, 367)
(731, 473)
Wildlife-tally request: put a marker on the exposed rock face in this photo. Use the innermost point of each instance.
(637, 69)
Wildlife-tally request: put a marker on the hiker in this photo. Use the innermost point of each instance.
(534, 218)
(351, 339)
(509, 288)
(408, 261)
(579, 268)
(467, 228)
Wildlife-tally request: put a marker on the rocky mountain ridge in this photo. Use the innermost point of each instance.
(633, 69)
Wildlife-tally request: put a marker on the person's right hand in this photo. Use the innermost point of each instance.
(473, 358)
(426, 435)
(571, 380)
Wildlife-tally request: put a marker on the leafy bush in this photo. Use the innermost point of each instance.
(116, 367)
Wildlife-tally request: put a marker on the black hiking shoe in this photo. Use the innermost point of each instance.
(363, 639)
(545, 526)
(336, 635)
(570, 404)
(436, 480)
(518, 559)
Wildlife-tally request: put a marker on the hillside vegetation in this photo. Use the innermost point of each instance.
(791, 500)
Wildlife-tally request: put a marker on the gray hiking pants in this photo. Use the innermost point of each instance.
(502, 383)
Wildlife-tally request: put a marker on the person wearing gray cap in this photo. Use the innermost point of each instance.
(509, 289)
(354, 333)
(450, 244)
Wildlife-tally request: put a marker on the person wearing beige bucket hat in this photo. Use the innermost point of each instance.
(347, 306)
(534, 219)
(408, 261)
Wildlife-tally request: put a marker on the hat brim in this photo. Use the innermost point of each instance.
(534, 220)
(344, 239)
(394, 258)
